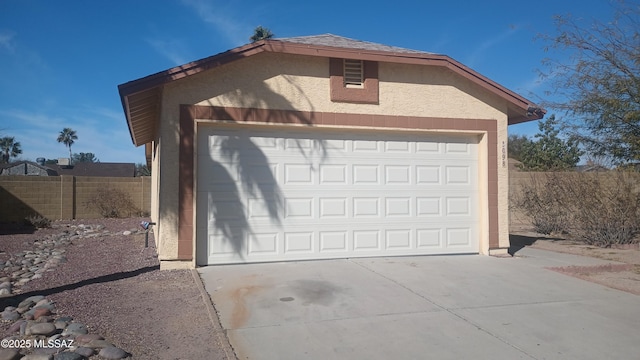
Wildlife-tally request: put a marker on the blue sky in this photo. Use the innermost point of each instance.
(61, 61)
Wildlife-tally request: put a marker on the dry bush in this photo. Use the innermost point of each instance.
(37, 221)
(111, 203)
(541, 200)
(597, 208)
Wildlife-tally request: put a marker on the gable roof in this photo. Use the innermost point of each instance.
(346, 43)
(141, 98)
(26, 168)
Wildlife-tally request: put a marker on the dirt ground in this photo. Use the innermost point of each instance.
(113, 285)
(625, 275)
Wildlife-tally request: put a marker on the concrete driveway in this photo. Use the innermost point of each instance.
(431, 307)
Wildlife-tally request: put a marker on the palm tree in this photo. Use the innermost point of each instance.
(9, 148)
(261, 33)
(85, 157)
(68, 137)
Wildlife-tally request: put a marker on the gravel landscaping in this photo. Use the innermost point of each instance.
(98, 276)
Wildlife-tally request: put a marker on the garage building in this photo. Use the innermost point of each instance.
(321, 147)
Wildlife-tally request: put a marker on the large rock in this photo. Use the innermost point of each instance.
(10, 315)
(42, 329)
(112, 352)
(75, 329)
(9, 354)
(68, 355)
(85, 351)
(38, 357)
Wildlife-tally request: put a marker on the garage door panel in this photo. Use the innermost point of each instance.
(263, 244)
(458, 206)
(428, 206)
(333, 242)
(398, 207)
(398, 239)
(397, 174)
(333, 207)
(428, 238)
(333, 174)
(309, 195)
(457, 175)
(299, 242)
(367, 240)
(298, 174)
(458, 236)
(299, 209)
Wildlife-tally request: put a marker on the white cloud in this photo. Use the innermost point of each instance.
(232, 29)
(6, 41)
(482, 49)
(173, 50)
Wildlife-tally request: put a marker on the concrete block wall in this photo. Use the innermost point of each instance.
(65, 197)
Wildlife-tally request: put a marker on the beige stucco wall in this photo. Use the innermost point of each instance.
(295, 82)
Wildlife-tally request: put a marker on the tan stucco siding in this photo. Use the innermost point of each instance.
(167, 172)
(294, 82)
(503, 185)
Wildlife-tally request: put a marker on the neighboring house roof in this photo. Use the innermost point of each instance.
(97, 169)
(26, 168)
(141, 98)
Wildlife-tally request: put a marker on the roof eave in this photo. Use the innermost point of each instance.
(141, 132)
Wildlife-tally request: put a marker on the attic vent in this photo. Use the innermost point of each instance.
(353, 73)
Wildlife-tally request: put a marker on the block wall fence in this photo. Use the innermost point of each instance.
(65, 197)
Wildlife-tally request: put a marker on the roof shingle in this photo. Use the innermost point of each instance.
(344, 42)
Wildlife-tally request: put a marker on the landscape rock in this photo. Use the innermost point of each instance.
(85, 351)
(10, 315)
(75, 329)
(15, 327)
(112, 352)
(38, 313)
(38, 357)
(68, 355)
(42, 329)
(9, 354)
(35, 317)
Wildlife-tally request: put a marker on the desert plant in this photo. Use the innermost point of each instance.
(599, 209)
(37, 221)
(541, 201)
(605, 207)
(111, 203)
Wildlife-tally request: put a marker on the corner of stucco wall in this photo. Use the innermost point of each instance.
(167, 175)
(176, 265)
(503, 185)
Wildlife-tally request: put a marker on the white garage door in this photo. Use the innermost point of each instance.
(272, 195)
